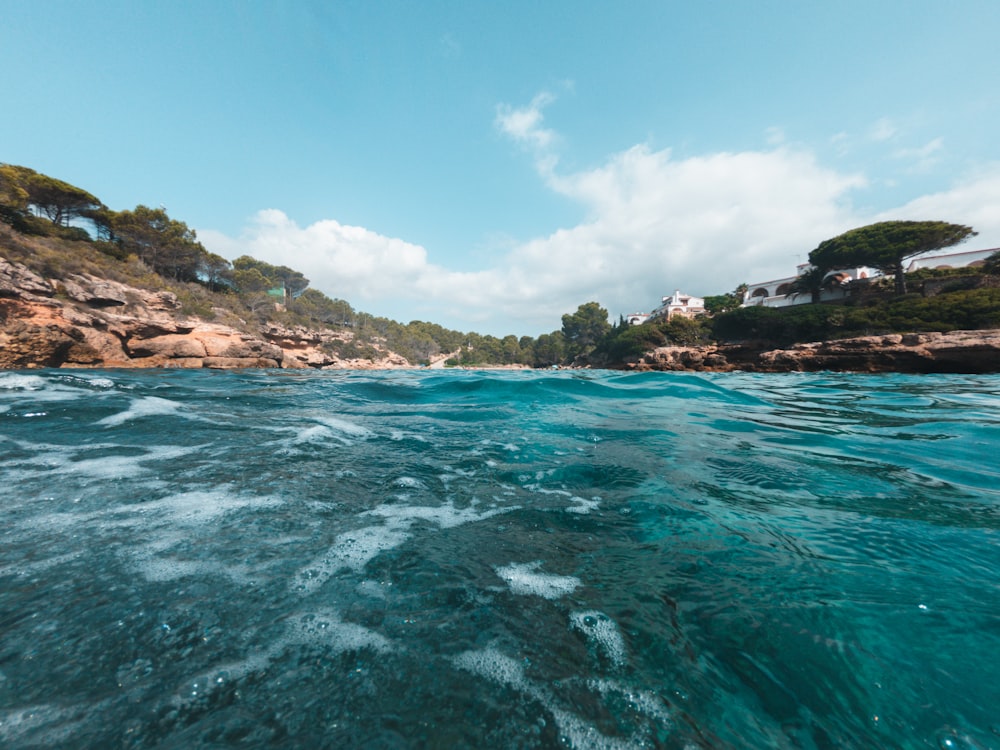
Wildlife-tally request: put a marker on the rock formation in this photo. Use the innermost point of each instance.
(955, 351)
(85, 321)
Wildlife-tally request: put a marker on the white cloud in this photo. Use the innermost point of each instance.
(882, 130)
(654, 224)
(922, 157)
(524, 124)
(974, 202)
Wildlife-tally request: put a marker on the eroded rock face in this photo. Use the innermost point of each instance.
(85, 321)
(18, 281)
(955, 351)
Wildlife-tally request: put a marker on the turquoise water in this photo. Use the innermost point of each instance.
(499, 560)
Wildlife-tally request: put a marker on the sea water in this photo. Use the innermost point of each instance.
(499, 560)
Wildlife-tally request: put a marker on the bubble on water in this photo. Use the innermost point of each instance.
(327, 629)
(409, 483)
(446, 516)
(602, 633)
(583, 506)
(494, 666)
(351, 550)
(952, 739)
(523, 579)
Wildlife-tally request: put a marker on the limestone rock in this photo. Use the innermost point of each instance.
(18, 281)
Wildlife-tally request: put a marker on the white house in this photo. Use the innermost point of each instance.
(952, 260)
(684, 305)
(779, 292)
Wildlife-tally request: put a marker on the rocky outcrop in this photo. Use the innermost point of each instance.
(955, 351)
(85, 321)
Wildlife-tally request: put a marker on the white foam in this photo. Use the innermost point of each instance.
(644, 701)
(345, 427)
(202, 506)
(195, 689)
(445, 516)
(575, 732)
(602, 632)
(582, 505)
(327, 429)
(351, 550)
(325, 628)
(494, 666)
(147, 406)
(409, 483)
(15, 381)
(523, 580)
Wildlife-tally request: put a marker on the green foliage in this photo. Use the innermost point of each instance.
(61, 202)
(292, 281)
(584, 328)
(968, 309)
(626, 343)
(992, 263)
(886, 245)
(717, 304)
(549, 350)
(167, 246)
(314, 305)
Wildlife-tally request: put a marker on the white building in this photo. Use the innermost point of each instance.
(970, 258)
(679, 304)
(780, 292)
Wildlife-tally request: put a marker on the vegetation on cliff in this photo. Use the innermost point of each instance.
(59, 230)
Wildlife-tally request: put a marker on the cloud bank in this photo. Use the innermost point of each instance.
(654, 223)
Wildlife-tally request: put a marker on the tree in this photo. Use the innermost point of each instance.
(812, 282)
(886, 245)
(717, 304)
(216, 272)
(992, 263)
(292, 281)
(549, 349)
(584, 328)
(57, 200)
(167, 246)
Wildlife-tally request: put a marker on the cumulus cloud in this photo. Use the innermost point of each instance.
(974, 202)
(524, 124)
(654, 223)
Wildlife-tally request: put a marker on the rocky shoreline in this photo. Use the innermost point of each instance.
(87, 322)
(951, 352)
(84, 321)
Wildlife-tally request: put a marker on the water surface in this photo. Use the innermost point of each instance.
(509, 560)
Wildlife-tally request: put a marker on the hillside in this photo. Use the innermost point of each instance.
(67, 237)
(84, 286)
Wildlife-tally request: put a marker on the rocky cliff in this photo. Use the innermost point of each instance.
(955, 351)
(84, 321)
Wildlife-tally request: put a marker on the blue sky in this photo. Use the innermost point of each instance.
(490, 166)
